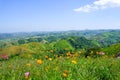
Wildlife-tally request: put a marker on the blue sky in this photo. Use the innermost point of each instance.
(58, 15)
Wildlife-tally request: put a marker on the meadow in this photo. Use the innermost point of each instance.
(69, 67)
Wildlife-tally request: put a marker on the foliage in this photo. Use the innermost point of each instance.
(62, 46)
(21, 41)
(101, 38)
(112, 50)
(60, 69)
(81, 43)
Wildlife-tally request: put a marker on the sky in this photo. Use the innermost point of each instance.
(58, 15)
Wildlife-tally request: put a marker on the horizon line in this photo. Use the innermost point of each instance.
(55, 31)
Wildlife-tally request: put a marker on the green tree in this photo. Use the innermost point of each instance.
(21, 41)
(32, 40)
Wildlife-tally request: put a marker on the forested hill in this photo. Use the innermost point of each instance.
(78, 39)
(85, 33)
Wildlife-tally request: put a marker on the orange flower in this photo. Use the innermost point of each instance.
(39, 61)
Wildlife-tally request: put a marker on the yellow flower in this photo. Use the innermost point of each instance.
(39, 61)
(64, 75)
(74, 61)
(28, 64)
(50, 59)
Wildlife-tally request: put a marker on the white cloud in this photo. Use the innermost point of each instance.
(99, 4)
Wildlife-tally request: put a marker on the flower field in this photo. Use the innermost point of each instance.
(60, 68)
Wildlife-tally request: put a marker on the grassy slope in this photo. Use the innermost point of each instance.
(53, 68)
(74, 68)
(112, 50)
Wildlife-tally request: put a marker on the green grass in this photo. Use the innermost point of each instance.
(102, 68)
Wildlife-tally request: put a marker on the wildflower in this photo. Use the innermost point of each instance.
(50, 59)
(28, 64)
(39, 61)
(4, 56)
(64, 75)
(46, 57)
(101, 53)
(74, 61)
(27, 74)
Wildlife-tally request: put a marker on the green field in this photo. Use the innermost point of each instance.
(60, 68)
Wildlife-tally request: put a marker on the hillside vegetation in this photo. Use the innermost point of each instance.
(72, 55)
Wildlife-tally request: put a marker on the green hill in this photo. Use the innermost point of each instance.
(112, 50)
